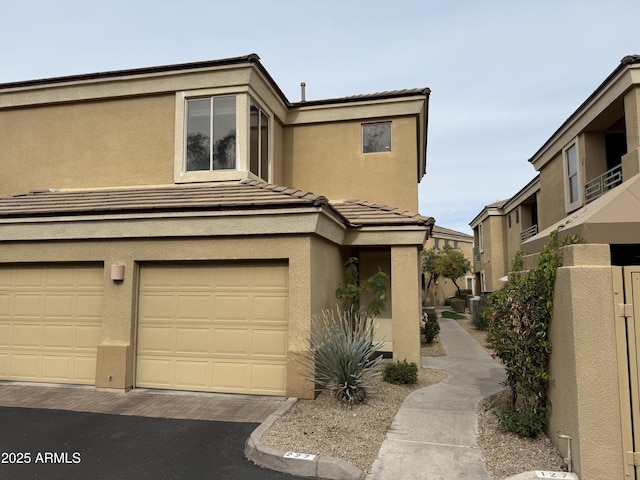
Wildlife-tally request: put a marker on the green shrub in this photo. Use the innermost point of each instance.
(342, 354)
(480, 320)
(458, 304)
(401, 373)
(431, 327)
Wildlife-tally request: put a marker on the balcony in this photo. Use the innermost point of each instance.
(476, 253)
(602, 184)
(528, 233)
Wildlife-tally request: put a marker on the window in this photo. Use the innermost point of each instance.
(573, 199)
(258, 142)
(518, 215)
(376, 137)
(480, 239)
(509, 220)
(455, 244)
(211, 134)
(436, 242)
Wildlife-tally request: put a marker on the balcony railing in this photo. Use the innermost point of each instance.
(528, 233)
(602, 184)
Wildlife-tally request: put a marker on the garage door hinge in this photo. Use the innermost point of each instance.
(633, 458)
(625, 310)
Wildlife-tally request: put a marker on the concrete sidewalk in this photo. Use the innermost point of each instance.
(433, 435)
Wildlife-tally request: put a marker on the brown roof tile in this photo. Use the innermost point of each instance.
(360, 213)
(242, 195)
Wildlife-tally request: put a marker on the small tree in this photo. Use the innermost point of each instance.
(448, 262)
(349, 295)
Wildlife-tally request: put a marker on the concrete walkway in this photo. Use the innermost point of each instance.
(433, 435)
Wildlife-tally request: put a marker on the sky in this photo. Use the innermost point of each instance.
(504, 74)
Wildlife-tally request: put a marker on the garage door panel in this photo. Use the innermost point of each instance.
(229, 341)
(58, 336)
(218, 308)
(87, 337)
(272, 308)
(156, 339)
(155, 372)
(193, 307)
(56, 368)
(158, 306)
(231, 308)
(231, 377)
(27, 306)
(50, 322)
(268, 379)
(26, 335)
(270, 343)
(24, 367)
(89, 306)
(192, 341)
(192, 374)
(84, 369)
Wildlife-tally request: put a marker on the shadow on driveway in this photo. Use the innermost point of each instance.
(57, 444)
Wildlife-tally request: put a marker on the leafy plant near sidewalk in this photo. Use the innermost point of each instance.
(518, 318)
(431, 327)
(342, 354)
(401, 373)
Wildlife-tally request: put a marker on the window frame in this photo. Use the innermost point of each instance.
(242, 170)
(569, 203)
(371, 124)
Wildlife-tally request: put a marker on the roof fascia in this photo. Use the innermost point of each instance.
(614, 86)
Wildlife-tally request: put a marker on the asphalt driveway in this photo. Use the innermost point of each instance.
(59, 444)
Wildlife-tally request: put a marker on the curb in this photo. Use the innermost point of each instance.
(533, 475)
(327, 468)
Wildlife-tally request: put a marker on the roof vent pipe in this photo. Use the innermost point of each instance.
(303, 87)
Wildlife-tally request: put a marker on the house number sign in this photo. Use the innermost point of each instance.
(299, 456)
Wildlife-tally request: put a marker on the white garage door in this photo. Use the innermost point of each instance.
(213, 327)
(50, 322)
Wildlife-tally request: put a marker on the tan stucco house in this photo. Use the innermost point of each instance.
(178, 227)
(439, 291)
(588, 185)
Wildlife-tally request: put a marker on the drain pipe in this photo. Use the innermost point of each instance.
(566, 460)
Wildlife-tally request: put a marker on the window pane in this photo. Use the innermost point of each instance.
(376, 137)
(573, 189)
(572, 160)
(264, 147)
(224, 133)
(198, 134)
(254, 140)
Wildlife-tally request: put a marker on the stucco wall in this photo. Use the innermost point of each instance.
(90, 144)
(327, 159)
(585, 391)
(551, 200)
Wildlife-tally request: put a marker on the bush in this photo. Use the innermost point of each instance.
(342, 354)
(458, 304)
(431, 327)
(401, 373)
(479, 320)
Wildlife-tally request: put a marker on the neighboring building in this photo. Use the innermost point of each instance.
(499, 231)
(157, 226)
(444, 288)
(588, 185)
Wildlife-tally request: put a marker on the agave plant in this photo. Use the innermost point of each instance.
(341, 354)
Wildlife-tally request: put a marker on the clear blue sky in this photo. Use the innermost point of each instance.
(504, 74)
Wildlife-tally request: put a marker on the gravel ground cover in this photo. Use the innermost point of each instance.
(325, 427)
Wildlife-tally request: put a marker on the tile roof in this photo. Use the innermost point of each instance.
(447, 231)
(244, 195)
(363, 214)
